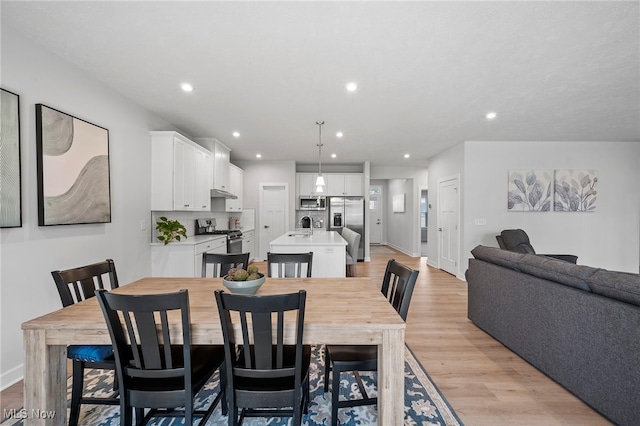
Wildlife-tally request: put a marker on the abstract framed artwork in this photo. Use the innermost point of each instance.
(10, 167)
(575, 190)
(398, 203)
(530, 190)
(73, 169)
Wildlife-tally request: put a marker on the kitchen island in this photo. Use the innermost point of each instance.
(328, 247)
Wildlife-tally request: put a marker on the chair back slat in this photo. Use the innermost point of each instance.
(222, 263)
(78, 284)
(289, 265)
(397, 286)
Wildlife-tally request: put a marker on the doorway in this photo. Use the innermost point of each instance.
(274, 214)
(424, 220)
(448, 224)
(376, 203)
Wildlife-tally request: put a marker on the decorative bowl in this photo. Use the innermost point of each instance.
(244, 287)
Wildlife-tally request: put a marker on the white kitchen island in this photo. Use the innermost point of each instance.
(328, 247)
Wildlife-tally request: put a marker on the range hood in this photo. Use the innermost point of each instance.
(219, 193)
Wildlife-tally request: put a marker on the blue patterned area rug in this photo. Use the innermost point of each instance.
(424, 404)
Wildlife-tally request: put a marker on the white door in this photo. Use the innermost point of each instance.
(376, 202)
(273, 215)
(448, 220)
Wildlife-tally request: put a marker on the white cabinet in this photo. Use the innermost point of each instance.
(183, 259)
(236, 175)
(248, 243)
(306, 185)
(221, 166)
(178, 173)
(341, 185)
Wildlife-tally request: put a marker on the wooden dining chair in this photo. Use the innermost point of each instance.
(289, 265)
(75, 285)
(154, 372)
(264, 376)
(397, 286)
(221, 263)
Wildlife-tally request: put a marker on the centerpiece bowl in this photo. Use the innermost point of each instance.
(244, 287)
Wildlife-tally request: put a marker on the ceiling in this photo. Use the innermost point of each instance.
(428, 72)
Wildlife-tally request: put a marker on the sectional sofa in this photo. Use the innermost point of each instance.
(577, 324)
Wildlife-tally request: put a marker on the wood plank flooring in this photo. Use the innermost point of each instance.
(484, 382)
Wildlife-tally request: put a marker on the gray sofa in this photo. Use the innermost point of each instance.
(577, 324)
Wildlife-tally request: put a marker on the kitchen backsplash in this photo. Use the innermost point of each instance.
(318, 216)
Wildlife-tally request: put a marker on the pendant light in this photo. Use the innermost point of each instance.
(320, 179)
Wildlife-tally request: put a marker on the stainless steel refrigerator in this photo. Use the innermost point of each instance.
(349, 212)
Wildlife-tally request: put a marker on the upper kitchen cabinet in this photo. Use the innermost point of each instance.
(306, 185)
(221, 166)
(180, 171)
(344, 185)
(236, 175)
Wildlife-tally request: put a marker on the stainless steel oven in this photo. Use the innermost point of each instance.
(234, 244)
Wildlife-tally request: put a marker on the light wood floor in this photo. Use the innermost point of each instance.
(484, 382)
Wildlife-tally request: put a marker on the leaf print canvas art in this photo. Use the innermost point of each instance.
(530, 190)
(575, 190)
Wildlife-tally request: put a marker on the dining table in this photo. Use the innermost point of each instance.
(338, 311)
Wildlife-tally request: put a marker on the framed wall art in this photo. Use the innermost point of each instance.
(398, 203)
(530, 190)
(10, 167)
(73, 169)
(575, 190)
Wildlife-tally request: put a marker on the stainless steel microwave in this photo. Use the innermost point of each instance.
(312, 203)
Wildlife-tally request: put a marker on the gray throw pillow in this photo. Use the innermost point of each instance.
(617, 285)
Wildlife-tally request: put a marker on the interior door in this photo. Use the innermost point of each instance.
(273, 215)
(448, 220)
(375, 214)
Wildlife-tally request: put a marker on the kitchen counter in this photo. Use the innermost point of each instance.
(328, 247)
(191, 240)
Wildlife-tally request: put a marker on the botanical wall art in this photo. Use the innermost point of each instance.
(530, 190)
(10, 192)
(73, 169)
(575, 190)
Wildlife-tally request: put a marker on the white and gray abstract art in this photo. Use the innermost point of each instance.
(576, 190)
(73, 169)
(530, 190)
(10, 193)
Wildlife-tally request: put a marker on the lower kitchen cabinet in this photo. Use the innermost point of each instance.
(184, 258)
(248, 243)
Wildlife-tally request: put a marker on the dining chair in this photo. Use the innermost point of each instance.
(75, 285)
(397, 286)
(223, 262)
(353, 243)
(289, 265)
(154, 372)
(264, 376)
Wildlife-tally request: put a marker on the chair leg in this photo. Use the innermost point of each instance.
(327, 369)
(335, 394)
(76, 391)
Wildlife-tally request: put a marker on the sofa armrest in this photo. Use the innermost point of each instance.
(566, 257)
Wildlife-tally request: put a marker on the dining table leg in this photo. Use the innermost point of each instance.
(45, 381)
(391, 378)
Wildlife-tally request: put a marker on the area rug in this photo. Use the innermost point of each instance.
(424, 404)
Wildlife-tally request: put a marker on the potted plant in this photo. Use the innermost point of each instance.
(170, 230)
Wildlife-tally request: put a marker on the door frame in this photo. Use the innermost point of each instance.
(455, 178)
(381, 209)
(419, 197)
(259, 234)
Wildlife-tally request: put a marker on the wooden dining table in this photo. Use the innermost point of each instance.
(338, 311)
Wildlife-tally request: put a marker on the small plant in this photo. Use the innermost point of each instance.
(170, 230)
(237, 274)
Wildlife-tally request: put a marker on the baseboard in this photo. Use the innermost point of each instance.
(430, 263)
(11, 377)
(402, 250)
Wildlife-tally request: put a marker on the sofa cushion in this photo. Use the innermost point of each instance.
(505, 258)
(617, 285)
(557, 270)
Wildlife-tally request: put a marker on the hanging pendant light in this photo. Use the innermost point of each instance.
(320, 179)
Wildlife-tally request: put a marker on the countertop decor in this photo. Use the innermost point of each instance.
(170, 230)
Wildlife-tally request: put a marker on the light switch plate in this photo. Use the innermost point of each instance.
(481, 222)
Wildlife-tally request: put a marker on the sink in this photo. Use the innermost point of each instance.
(298, 234)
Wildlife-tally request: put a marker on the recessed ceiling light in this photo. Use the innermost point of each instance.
(186, 87)
(333, 155)
(491, 115)
(352, 87)
(407, 156)
(258, 155)
(236, 134)
(339, 134)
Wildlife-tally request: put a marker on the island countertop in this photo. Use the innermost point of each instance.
(319, 237)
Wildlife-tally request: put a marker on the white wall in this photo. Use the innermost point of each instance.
(28, 254)
(607, 238)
